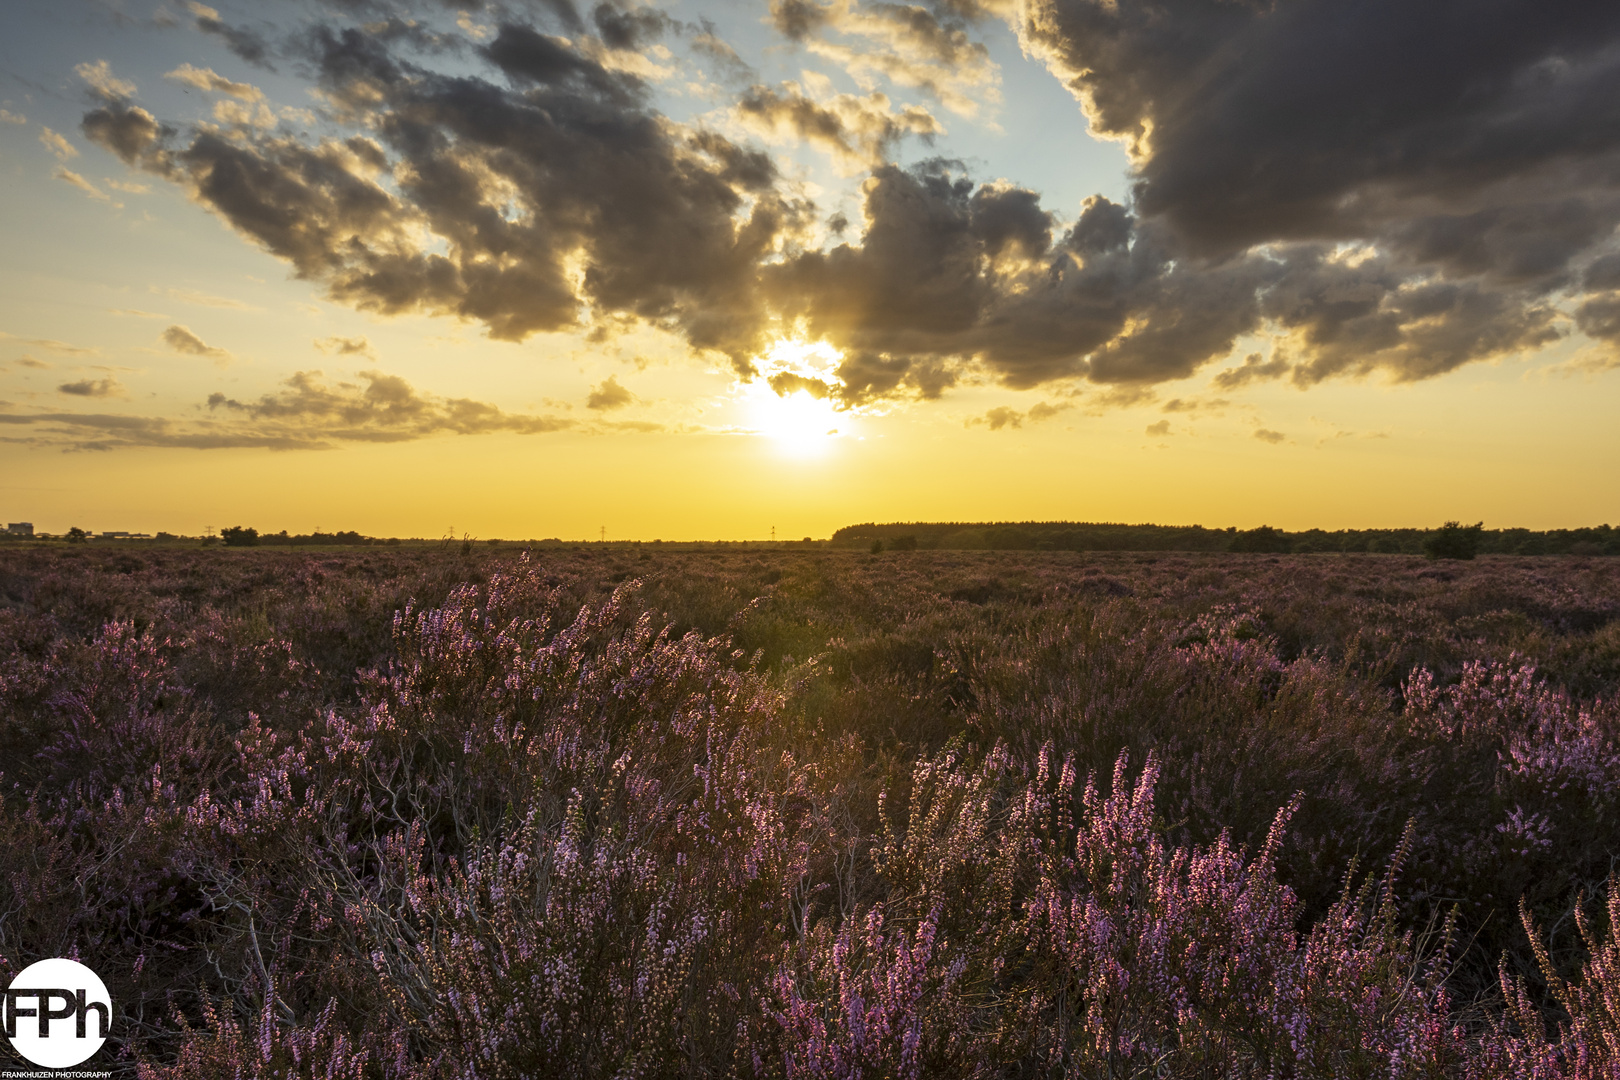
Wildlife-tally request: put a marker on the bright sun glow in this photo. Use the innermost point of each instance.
(800, 423)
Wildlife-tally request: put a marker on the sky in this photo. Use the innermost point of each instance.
(704, 269)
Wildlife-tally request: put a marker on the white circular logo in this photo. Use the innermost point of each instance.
(57, 1013)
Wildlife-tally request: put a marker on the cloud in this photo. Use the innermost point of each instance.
(1478, 179)
(1237, 119)
(1159, 429)
(182, 340)
(9, 117)
(999, 417)
(56, 144)
(609, 395)
(129, 186)
(857, 131)
(70, 177)
(785, 383)
(105, 84)
(1268, 436)
(524, 181)
(949, 271)
(307, 414)
(1183, 405)
(28, 361)
(213, 82)
(61, 348)
(202, 299)
(932, 50)
(1254, 368)
(1004, 417)
(732, 68)
(346, 346)
(544, 161)
(135, 313)
(92, 388)
(385, 409)
(237, 114)
(246, 44)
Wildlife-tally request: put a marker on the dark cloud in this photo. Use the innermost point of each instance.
(182, 340)
(92, 388)
(128, 131)
(630, 28)
(1599, 317)
(1388, 188)
(104, 431)
(948, 272)
(385, 409)
(796, 20)
(248, 44)
(1182, 405)
(1002, 417)
(1317, 120)
(609, 395)
(1268, 436)
(1254, 368)
(346, 346)
(478, 195)
(1424, 174)
(307, 413)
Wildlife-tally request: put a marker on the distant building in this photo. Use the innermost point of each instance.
(115, 534)
(20, 528)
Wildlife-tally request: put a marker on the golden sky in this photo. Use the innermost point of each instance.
(698, 270)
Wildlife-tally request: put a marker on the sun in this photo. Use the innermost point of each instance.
(802, 422)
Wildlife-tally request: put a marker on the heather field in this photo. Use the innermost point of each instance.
(631, 811)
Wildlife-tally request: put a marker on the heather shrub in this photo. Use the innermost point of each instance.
(1030, 920)
(414, 813)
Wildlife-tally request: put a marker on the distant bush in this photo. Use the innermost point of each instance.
(1453, 540)
(907, 542)
(237, 536)
(1263, 539)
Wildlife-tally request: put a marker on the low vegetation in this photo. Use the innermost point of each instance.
(417, 812)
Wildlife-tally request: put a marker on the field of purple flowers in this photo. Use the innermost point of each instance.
(627, 812)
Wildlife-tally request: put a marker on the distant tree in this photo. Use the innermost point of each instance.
(907, 542)
(77, 535)
(1453, 540)
(1265, 539)
(237, 536)
(877, 547)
